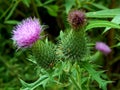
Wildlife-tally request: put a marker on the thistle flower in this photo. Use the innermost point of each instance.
(102, 47)
(27, 32)
(76, 18)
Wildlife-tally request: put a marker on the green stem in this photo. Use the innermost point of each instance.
(88, 82)
(79, 75)
(7, 10)
(12, 10)
(75, 83)
(35, 9)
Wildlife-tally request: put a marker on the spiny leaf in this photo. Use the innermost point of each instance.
(101, 23)
(116, 20)
(96, 75)
(25, 86)
(103, 13)
(32, 86)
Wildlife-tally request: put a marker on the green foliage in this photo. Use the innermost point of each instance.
(69, 4)
(73, 47)
(96, 75)
(110, 13)
(14, 22)
(63, 75)
(26, 2)
(101, 23)
(116, 20)
(52, 9)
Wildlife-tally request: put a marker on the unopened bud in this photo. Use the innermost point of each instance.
(76, 18)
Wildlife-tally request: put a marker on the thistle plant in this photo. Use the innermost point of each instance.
(74, 43)
(63, 65)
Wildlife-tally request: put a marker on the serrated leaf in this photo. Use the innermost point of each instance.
(103, 13)
(25, 86)
(69, 4)
(116, 20)
(32, 86)
(96, 75)
(99, 23)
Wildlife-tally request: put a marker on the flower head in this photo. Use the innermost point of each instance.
(27, 32)
(76, 18)
(102, 47)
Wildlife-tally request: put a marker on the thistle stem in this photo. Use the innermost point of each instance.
(88, 82)
(35, 9)
(79, 74)
(75, 83)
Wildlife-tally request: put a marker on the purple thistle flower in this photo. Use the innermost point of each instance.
(102, 47)
(27, 32)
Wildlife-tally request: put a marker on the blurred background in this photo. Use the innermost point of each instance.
(14, 64)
